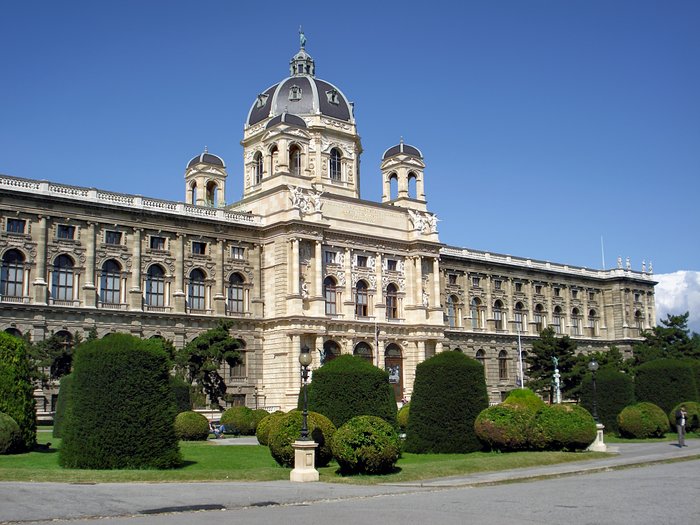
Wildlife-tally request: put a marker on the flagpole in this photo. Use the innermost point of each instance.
(520, 361)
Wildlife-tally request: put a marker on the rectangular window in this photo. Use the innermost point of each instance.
(157, 243)
(329, 257)
(518, 287)
(391, 265)
(112, 237)
(475, 282)
(575, 326)
(538, 289)
(539, 325)
(497, 284)
(452, 278)
(362, 261)
(238, 253)
(557, 292)
(591, 296)
(238, 370)
(574, 294)
(15, 225)
(63, 231)
(199, 248)
(636, 298)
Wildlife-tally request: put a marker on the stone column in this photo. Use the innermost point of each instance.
(294, 276)
(436, 283)
(40, 285)
(179, 296)
(135, 297)
(89, 288)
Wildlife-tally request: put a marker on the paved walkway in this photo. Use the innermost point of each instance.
(56, 501)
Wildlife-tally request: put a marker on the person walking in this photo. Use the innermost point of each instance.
(681, 418)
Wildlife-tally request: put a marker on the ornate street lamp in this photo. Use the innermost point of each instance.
(305, 359)
(593, 367)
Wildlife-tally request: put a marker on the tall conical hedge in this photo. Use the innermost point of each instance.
(17, 390)
(448, 394)
(665, 382)
(122, 409)
(349, 386)
(614, 391)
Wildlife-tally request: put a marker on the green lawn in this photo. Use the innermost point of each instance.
(205, 461)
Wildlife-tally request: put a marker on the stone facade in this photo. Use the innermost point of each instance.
(300, 260)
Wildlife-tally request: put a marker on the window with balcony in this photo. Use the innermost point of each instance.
(155, 286)
(330, 295)
(110, 280)
(12, 274)
(235, 294)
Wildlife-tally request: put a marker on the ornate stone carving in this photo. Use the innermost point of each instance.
(308, 201)
(423, 222)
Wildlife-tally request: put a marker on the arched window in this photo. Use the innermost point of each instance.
(196, 290)
(62, 279)
(335, 165)
(451, 311)
(110, 281)
(274, 155)
(193, 193)
(361, 299)
(639, 320)
(392, 302)
(393, 186)
(556, 319)
(519, 317)
(575, 322)
(498, 315)
(592, 322)
(295, 160)
(393, 364)
(330, 295)
(236, 302)
(212, 193)
(481, 357)
(331, 350)
(476, 313)
(12, 274)
(412, 181)
(503, 365)
(364, 351)
(257, 168)
(539, 318)
(155, 286)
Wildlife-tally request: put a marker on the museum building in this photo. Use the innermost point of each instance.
(301, 260)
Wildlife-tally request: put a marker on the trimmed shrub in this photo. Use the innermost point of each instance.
(402, 417)
(562, 427)
(10, 435)
(449, 392)
(122, 411)
(692, 422)
(286, 429)
(665, 382)
(615, 391)
(181, 393)
(191, 426)
(349, 386)
(525, 398)
(505, 427)
(16, 389)
(239, 420)
(263, 430)
(366, 445)
(62, 405)
(642, 420)
(258, 415)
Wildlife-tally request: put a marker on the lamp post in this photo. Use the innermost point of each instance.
(305, 447)
(599, 444)
(593, 367)
(305, 358)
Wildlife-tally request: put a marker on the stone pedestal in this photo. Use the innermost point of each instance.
(304, 461)
(598, 445)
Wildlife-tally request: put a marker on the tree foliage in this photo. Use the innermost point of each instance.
(53, 357)
(541, 366)
(671, 339)
(201, 359)
(17, 389)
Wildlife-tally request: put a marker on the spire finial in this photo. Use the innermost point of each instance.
(206, 150)
(302, 38)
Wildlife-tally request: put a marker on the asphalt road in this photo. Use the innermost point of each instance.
(655, 494)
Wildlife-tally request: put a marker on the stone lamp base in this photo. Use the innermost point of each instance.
(304, 461)
(598, 445)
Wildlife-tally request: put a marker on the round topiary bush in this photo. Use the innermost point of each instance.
(239, 420)
(402, 417)
(562, 427)
(122, 410)
(191, 426)
(10, 436)
(614, 391)
(665, 382)
(263, 430)
(258, 415)
(504, 427)
(449, 392)
(692, 422)
(17, 389)
(366, 445)
(525, 398)
(642, 420)
(287, 429)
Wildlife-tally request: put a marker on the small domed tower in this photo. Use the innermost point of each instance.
(205, 181)
(404, 164)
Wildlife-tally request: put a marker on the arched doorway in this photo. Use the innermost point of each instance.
(331, 350)
(364, 351)
(393, 364)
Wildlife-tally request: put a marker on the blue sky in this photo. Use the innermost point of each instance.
(544, 124)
